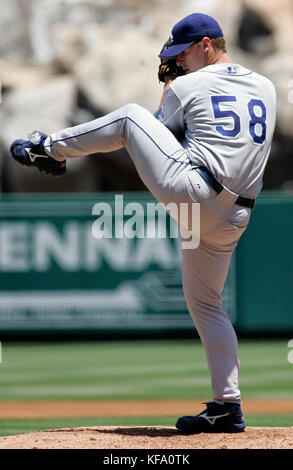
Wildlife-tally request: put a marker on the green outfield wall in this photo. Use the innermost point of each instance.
(56, 276)
(265, 267)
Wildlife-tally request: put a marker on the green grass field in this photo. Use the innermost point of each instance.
(135, 370)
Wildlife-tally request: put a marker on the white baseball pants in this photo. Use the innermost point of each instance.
(164, 167)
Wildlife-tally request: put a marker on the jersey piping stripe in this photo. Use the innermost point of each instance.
(113, 122)
(226, 74)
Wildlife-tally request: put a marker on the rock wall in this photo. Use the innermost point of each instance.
(67, 61)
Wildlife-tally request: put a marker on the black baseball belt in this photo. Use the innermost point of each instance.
(218, 187)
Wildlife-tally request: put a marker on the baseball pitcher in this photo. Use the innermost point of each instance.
(208, 144)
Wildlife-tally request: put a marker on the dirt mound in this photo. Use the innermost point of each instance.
(138, 437)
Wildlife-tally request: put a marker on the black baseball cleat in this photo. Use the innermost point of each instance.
(31, 153)
(226, 417)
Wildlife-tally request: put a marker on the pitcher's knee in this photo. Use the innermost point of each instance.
(131, 110)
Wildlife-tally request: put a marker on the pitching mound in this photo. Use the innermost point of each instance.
(137, 437)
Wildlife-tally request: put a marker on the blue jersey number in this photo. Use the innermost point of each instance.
(257, 118)
(216, 100)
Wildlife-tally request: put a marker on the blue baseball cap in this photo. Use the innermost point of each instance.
(189, 30)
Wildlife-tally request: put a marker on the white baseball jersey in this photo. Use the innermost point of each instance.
(224, 116)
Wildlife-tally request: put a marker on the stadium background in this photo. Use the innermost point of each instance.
(88, 321)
